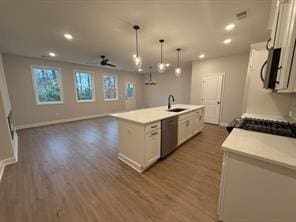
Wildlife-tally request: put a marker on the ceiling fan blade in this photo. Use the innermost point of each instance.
(108, 64)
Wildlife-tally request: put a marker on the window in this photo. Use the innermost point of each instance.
(130, 90)
(110, 87)
(47, 85)
(84, 86)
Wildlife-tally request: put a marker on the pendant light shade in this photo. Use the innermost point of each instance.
(137, 60)
(161, 66)
(150, 82)
(178, 69)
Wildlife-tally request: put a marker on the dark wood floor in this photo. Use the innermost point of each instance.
(70, 172)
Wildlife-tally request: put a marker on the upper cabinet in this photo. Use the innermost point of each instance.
(281, 47)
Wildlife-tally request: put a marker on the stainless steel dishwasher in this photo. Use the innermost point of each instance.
(169, 135)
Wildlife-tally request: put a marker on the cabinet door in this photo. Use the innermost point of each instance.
(152, 147)
(190, 128)
(182, 131)
(185, 130)
(197, 123)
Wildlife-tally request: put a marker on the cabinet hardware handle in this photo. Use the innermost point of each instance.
(152, 134)
(154, 126)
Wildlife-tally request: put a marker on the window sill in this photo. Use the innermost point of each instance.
(85, 101)
(49, 103)
(110, 100)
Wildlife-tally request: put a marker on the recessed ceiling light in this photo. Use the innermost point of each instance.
(140, 70)
(201, 56)
(68, 36)
(227, 41)
(229, 27)
(167, 65)
(51, 54)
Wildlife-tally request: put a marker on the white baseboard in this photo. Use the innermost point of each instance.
(223, 124)
(60, 121)
(8, 161)
(130, 162)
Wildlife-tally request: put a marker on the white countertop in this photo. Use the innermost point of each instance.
(149, 115)
(279, 150)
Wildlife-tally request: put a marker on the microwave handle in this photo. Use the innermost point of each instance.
(267, 44)
(261, 71)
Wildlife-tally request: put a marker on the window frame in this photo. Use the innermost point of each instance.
(93, 86)
(116, 87)
(60, 84)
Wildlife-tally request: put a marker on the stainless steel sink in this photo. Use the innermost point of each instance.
(176, 110)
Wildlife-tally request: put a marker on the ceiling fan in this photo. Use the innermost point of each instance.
(104, 62)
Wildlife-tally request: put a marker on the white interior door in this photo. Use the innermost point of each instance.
(211, 96)
(130, 95)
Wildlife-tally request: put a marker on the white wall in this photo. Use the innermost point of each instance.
(235, 69)
(3, 89)
(26, 112)
(258, 100)
(168, 83)
(6, 150)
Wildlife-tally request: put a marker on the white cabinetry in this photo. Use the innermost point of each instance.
(283, 35)
(190, 124)
(252, 190)
(198, 121)
(139, 145)
(152, 147)
(185, 130)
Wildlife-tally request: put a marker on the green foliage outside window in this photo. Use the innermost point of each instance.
(47, 85)
(84, 86)
(110, 84)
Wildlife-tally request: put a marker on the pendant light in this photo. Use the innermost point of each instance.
(150, 82)
(137, 60)
(161, 65)
(178, 69)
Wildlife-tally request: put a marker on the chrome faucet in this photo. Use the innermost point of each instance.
(169, 101)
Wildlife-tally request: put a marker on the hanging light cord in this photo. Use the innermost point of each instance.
(178, 58)
(161, 52)
(137, 43)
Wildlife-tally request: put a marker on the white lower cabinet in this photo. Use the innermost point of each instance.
(253, 190)
(198, 121)
(190, 124)
(139, 145)
(185, 129)
(153, 142)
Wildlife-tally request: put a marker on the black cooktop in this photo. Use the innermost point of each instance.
(264, 126)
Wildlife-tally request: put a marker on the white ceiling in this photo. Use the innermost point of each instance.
(33, 28)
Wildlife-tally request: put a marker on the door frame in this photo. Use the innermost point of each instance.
(125, 96)
(223, 74)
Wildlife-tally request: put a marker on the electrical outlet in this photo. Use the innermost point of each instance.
(290, 113)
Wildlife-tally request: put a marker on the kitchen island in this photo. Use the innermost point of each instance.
(140, 132)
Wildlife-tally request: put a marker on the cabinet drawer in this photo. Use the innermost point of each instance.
(186, 116)
(152, 126)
